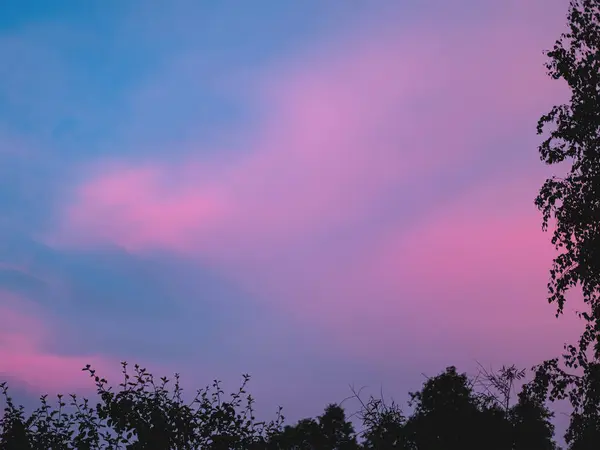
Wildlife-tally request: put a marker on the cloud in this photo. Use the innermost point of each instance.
(341, 129)
(471, 274)
(337, 209)
(126, 295)
(358, 211)
(23, 337)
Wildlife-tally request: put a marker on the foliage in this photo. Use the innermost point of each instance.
(574, 204)
(574, 201)
(331, 431)
(447, 408)
(455, 411)
(498, 388)
(144, 414)
(531, 422)
(583, 392)
(447, 413)
(384, 425)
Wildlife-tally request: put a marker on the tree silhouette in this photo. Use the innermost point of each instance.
(384, 425)
(444, 413)
(448, 412)
(531, 423)
(524, 425)
(583, 392)
(144, 414)
(574, 201)
(330, 431)
(497, 388)
(451, 412)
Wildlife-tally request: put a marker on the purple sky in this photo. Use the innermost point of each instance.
(318, 193)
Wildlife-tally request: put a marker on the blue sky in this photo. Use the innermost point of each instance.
(318, 193)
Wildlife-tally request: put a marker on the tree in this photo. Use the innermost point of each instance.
(384, 425)
(523, 425)
(583, 392)
(305, 435)
(446, 413)
(531, 423)
(338, 433)
(331, 431)
(498, 387)
(146, 415)
(574, 204)
(449, 412)
(574, 201)
(143, 415)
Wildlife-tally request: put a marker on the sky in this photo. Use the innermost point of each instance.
(320, 194)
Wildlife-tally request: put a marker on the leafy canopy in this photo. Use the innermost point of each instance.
(574, 201)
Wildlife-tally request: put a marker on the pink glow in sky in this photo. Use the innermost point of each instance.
(381, 116)
(319, 194)
(340, 131)
(23, 337)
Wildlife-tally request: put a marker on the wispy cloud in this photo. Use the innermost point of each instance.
(366, 120)
(356, 209)
(23, 356)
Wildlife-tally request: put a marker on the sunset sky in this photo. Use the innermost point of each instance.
(319, 193)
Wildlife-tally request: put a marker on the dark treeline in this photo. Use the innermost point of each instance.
(452, 410)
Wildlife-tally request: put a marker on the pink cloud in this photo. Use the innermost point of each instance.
(365, 119)
(131, 198)
(24, 359)
(469, 278)
(342, 128)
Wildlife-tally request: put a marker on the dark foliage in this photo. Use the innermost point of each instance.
(144, 414)
(574, 201)
(582, 391)
(330, 431)
(448, 412)
(451, 413)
